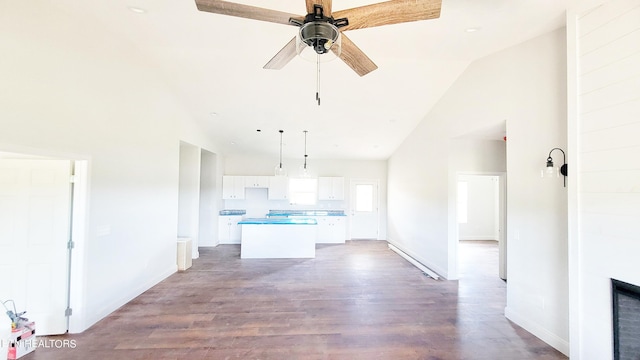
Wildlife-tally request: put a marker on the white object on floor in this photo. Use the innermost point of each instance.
(184, 254)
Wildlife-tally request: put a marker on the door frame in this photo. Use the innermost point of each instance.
(352, 204)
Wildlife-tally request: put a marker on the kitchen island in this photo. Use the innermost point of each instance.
(273, 238)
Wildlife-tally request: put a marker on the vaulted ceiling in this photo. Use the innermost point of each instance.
(214, 63)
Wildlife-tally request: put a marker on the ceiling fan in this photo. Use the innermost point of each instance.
(322, 30)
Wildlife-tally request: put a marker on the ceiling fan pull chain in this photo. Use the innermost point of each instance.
(318, 79)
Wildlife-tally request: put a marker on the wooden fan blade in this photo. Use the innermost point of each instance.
(326, 6)
(355, 58)
(282, 58)
(389, 12)
(246, 11)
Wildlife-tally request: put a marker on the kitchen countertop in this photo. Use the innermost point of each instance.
(306, 213)
(278, 221)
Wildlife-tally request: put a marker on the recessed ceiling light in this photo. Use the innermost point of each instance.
(473, 29)
(213, 113)
(137, 10)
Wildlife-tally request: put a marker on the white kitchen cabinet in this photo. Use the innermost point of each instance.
(278, 188)
(330, 188)
(256, 181)
(331, 229)
(229, 232)
(233, 187)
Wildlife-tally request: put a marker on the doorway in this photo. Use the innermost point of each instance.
(189, 195)
(481, 212)
(208, 226)
(197, 206)
(364, 209)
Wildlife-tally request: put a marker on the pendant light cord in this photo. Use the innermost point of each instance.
(281, 131)
(305, 149)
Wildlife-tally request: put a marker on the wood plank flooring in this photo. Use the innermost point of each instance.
(354, 301)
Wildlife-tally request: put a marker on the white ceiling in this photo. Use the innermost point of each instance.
(214, 64)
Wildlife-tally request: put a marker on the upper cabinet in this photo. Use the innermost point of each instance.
(278, 188)
(233, 187)
(330, 188)
(256, 181)
(331, 229)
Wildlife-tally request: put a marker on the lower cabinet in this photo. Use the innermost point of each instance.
(331, 229)
(229, 232)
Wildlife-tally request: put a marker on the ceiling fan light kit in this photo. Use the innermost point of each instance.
(320, 34)
(318, 39)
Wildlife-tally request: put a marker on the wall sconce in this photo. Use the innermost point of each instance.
(551, 171)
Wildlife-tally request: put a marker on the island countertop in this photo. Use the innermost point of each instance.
(278, 221)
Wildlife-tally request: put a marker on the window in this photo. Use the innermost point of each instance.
(364, 197)
(303, 191)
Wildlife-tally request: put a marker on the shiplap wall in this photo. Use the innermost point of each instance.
(608, 39)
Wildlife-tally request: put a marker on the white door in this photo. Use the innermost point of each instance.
(364, 209)
(35, 206)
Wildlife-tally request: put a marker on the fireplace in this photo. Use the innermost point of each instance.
(626, 320)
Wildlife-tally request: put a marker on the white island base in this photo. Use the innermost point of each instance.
(278, 241)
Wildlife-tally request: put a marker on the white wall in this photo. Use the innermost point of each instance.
(70, 90)
(482, 208)
(604, 73)
(472, 155)
(526, 86)
(349, 169)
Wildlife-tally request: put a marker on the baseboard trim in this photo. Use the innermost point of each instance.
(115, 305)
(537, 330)
(435, 269)
(478, 237)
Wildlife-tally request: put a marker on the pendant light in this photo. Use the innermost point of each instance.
(304, 170)
(280, 170)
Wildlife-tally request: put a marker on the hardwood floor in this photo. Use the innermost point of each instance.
(354, 301)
